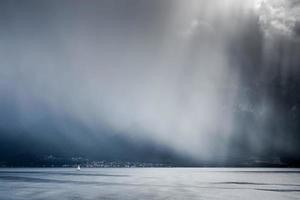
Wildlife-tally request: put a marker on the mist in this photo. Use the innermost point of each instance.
(208, 80)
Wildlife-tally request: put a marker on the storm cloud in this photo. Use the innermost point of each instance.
(208, 80)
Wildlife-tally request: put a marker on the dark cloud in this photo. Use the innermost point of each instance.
(208, 81)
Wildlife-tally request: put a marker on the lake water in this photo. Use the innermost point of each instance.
(149, 183)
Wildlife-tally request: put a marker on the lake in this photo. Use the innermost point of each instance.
(149, 183)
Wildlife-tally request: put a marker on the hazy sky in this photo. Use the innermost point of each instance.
(201, 79)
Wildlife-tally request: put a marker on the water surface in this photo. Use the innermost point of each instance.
(149, 183)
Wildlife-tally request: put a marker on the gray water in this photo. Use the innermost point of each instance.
(150, 183)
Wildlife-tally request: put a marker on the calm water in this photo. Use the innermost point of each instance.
(150, 183)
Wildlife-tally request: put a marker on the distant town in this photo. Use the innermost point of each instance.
(70, 162)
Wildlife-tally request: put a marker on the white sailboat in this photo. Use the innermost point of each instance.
(78, 168)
